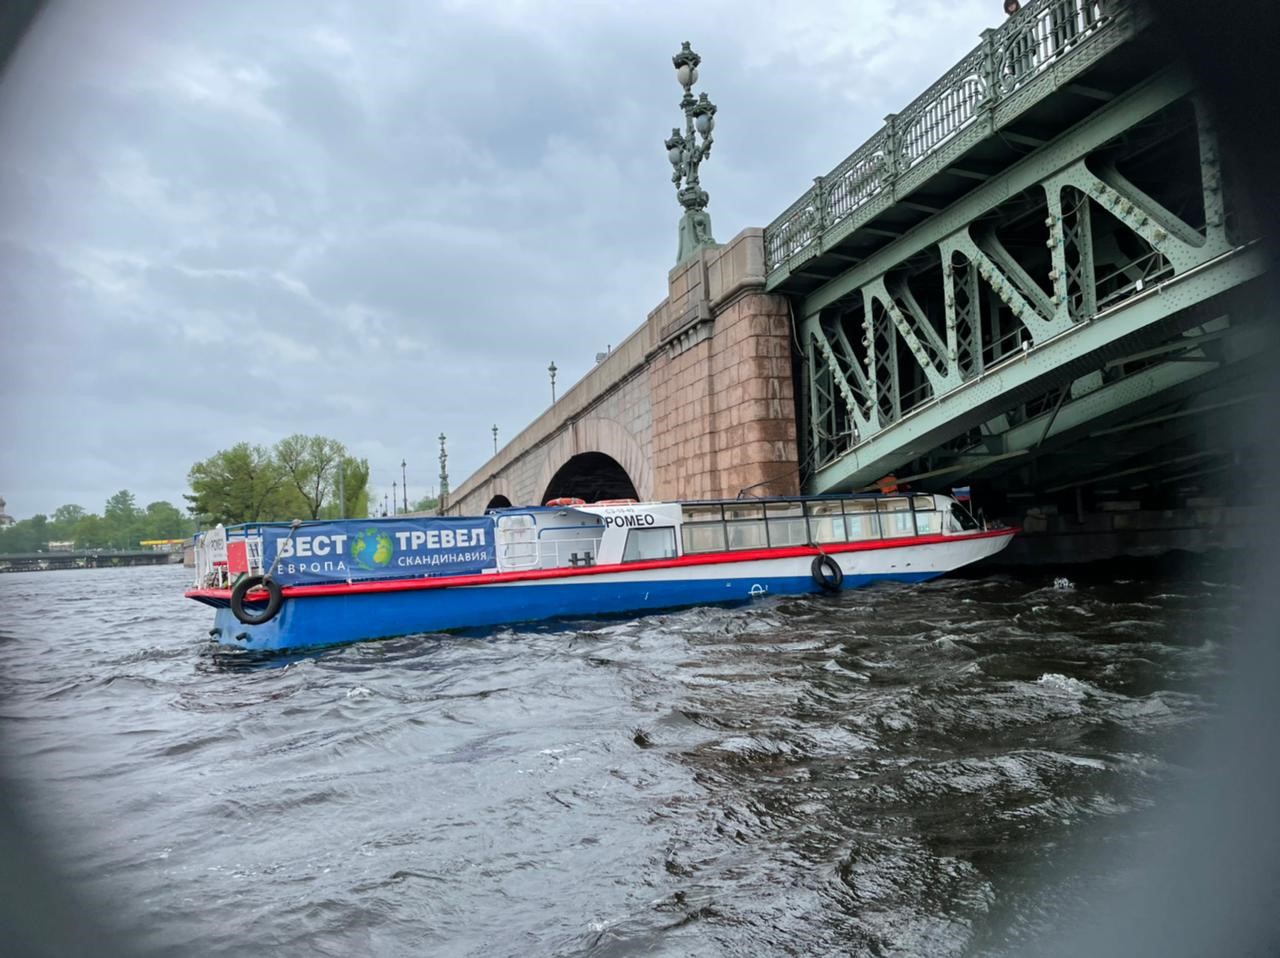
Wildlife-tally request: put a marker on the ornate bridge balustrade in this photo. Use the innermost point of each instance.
(1046, 45)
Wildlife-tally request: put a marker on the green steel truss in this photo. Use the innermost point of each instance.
(1112, 237)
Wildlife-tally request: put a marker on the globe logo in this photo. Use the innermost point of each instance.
(372, 549)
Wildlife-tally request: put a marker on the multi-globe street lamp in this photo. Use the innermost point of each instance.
(552, 370)
(404, 485)
(686, 153)
(444, 477)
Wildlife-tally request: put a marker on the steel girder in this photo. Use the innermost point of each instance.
(1005, 321)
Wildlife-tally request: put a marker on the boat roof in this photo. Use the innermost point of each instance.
(523, 510)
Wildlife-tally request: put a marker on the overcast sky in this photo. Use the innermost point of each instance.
(380, 221)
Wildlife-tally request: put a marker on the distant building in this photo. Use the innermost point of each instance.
(67, 546)
(5, 518)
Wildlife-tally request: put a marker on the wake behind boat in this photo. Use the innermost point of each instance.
(278, 586)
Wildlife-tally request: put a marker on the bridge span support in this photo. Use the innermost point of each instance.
(697, 403)
(1041, 279)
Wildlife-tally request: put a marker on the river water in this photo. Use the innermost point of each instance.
(921, 770)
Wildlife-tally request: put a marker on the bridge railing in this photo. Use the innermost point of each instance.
(1026, 45)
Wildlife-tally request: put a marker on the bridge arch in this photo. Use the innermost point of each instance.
(499, 501)
(575, 463)
(591, 476)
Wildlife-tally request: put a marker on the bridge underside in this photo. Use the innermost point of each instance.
(591, 476)
(1049, 316)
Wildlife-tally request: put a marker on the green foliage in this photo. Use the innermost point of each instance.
(354, 482)
(160, 521)
(426, 504)
(122, 517)
(90, 532)
(121, 507)
(300, 478)
(65, 517)
(242, 484)
(312, 464)
(122, 526)
(26, 535)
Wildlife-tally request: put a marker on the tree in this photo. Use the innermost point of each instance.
(26, 535)
(122, 526)
(121, 507)
(122, 519)
(90, 532)
(62, 525)
(312, 464)
(355, 482)
(68, 515)
(242, 484)
(299, 478)
(163, 521)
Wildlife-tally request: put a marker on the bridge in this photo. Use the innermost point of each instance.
(1039, 277)
(85, 559)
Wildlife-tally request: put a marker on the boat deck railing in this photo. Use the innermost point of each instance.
(557, 553)
(222, 555)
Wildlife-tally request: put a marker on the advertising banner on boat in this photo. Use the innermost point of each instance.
(379, 549)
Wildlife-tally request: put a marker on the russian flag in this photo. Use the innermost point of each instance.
(960, 494)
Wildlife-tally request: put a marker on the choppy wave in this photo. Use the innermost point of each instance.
(877, 773)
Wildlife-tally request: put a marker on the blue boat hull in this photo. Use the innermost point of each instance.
(320, 620)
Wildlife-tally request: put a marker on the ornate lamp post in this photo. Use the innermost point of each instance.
(384, 503)
(495, 438)
(444, 477)
(395, 500)
(552, 370)
(686, 153)
(404, 486)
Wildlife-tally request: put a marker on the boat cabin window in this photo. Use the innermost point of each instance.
(896, 519)
(744, 525)
(928, 518)
(569, 546)
(860, 516)
(786, 524)
(701, 513)
(706, 537)
(702, 529)
(770, 524)
(826, 520)
(642, 544)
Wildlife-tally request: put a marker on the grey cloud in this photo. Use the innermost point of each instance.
(376, 221)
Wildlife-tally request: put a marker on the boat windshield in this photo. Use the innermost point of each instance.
(964, 518)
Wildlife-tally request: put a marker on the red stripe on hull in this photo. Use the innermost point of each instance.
(494, 578)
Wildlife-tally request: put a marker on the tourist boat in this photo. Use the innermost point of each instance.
(278, 586)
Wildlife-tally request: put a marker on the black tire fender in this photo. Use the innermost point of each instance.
(275, 599)
(827, 573)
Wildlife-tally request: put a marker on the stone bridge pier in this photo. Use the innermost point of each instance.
(697, 403)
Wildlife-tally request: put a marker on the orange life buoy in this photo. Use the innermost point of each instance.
(565, 501)
(615, 502)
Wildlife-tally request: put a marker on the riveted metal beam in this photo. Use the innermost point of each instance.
(1091, 92)
(1075, 413)
(1022, 139)
(1058, 359)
